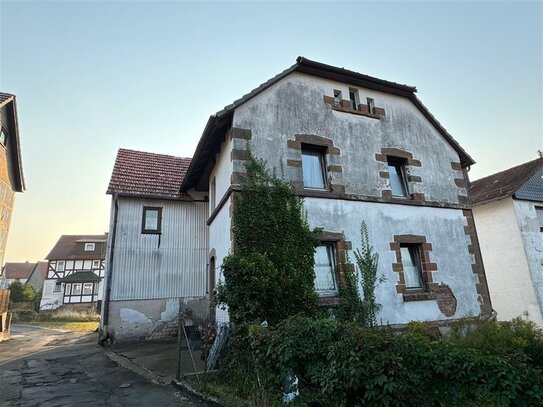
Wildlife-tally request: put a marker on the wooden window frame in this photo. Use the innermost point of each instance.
(156, 231)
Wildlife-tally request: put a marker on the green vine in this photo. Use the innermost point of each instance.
(270, 274)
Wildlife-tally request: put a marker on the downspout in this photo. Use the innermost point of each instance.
(104, 334)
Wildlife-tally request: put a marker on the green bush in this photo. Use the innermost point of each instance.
(20, 292)
(346, 364)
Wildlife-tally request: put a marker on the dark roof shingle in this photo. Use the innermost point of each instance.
(72, 247)
(504, 183)
(138, 173)
(19, 271)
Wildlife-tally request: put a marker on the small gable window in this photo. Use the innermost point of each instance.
(398, 179)
(152, 220)
(313, 167)
(371, 105)
(89, 247)
(353, 98)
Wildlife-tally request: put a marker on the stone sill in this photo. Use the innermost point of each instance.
(418, 296)
(357, 112)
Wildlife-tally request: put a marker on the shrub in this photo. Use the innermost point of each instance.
(24, 315)
(20, 292)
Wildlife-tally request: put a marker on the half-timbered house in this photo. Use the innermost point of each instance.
(75, 272)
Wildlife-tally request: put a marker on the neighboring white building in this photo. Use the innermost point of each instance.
(356, 148)
(75, 272)
(508, 211)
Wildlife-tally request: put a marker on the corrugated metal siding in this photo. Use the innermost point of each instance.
(176, 268)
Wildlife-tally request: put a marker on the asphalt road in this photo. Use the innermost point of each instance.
(45, 367)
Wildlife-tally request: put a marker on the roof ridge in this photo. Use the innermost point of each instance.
(155, 154)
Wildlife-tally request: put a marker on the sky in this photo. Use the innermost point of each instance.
(93, 77)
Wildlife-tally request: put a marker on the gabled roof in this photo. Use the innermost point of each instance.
(504, 183)
(20, 271)
(8, 102)
(217, 123)
(142, 174)
(72, 247)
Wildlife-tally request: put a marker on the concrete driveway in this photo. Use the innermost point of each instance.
(45, 367)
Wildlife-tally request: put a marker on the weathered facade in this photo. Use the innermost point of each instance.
(11, 169)
(75, 273)
(357, 149)
(157, 248)
(508, 211)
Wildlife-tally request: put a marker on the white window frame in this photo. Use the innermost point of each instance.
(67, 289)
(96, 264)
(61, 266)
(79, 285)
(86, 285)
(90, 247)
(331, 248)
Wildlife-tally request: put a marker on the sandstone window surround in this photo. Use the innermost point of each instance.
(353, 105)
(333, 251)
(401, 162)
(414, 267)
(314, 166)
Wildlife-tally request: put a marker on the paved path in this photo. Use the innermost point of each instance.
(44, 367)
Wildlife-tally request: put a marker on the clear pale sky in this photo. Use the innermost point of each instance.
(91, 77)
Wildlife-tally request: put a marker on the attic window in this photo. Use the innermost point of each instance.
(337, 97)
(371, 105)
(353, 98)
(89, 247)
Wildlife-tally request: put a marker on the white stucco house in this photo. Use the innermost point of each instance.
(356, 148)
(508, 212)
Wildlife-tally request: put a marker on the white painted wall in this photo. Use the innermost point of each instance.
(504, 256)
(222, 171)
(444, 228)
(51, 299)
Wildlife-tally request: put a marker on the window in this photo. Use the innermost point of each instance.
(87, 289)
(313, 167)
(325, 271)
(96, 264)
(89, 247)
(396, 173)
(58, 287)
(67, 289)
(412, 266)
(371, 105)
(337, 97)
(76, 289)
(539, 212)
(60, 265)
(353, 98)
(152, 220)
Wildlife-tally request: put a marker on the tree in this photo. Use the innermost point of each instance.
(270, 274)
(22, 292)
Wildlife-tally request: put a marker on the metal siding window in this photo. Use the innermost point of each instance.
(313, 169)
(152, 220)
(397, 179)
(539, 213)
(411, 267)
(325, 274)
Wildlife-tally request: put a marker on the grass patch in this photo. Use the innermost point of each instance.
(89, 326)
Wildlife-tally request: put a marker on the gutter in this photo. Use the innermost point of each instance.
(104, 333)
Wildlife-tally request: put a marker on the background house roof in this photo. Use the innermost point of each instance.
(504, 183)
(219, 122)
(21, 271)
(142, 174)
(72, 247)
(7, 101)
(42, 268)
